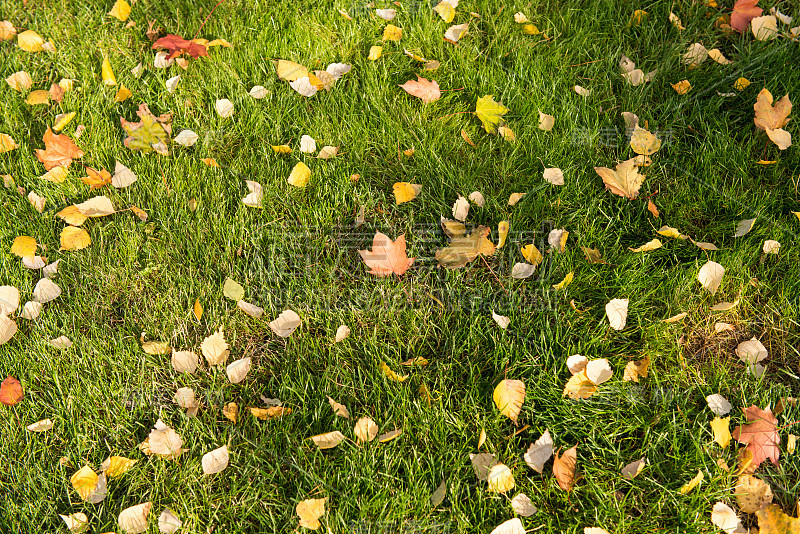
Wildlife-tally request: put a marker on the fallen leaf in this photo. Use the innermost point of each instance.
(168, 522)
(300, 175)
(743, 12)
(286, 323)
(59, 150)
(490, 113)
(625, 181)
(689, 486)
(215, 348)
(309, 511)
(554, 176)
(133, 520)
(500, 479)
(539, 452)
(630, 471)
(772, 520)
(272, 412)
(455, 32)
(579, 386)
(636, 369)
(387, 257)
(116, 466)
(617, 313)
(761, 435)
(710, 276)
(10, 389)
(564, 468)
(512, 526)
(30, 41)
(150, 134)
(176, 45)
(426, 90)
(764, 28)
(720, 426)
(7, 143)
(464, 248)
(653, 244)
(392, 33)
(725, 518)
(508, 396)
(215, 461)
(482, 463)
(238, 369)
(752, 494)
(328, 440)
(405, 192)
(40, 426)
(546, 122)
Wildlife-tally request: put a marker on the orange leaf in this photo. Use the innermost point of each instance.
(96, 179)
(743, 12)
(59, 150)
(10, 391)
(564, 468)
(760, 436)
(425, 90)
(387, 257)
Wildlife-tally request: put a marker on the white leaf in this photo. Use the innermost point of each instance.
(123, 176)
(522, 505)
(255, 196)
(50, 270)
(577, 363)
(725, 518)
(342, 333)
(710, 276)
(31, 310)
(461, 208)
(770, 247)
(617, 313)
(237, 370)
(215, 461)
(224, 108)
(186, 138)
(250, 309)
(215, 348)
(304, 86)
(512, 526)
(751, 351)
(133, 520)
(539, 452)
(33, 262)
(718, 404)
(554, 176)
(522, 270)
(337, 70)
(172, 83)
(598, 371)
(7, 329)
(168, 522)
(184, 361)
(40, 426)
(308, 145)
(285, 324)
(45, 291)
(61, 342)
(501, 320)
(477, 198)
(99, 206)
(258, 92)
(386, 14)
(161, 61)
(9, 300)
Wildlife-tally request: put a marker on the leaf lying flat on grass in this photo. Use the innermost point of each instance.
(625, 181)
(508, 396)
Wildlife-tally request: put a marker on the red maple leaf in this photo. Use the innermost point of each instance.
(743, 12)
(761, 435)
(177, 45)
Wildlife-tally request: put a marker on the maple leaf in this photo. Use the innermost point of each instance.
(425, 90)
(96, 179)
(463, 249)
(625, 181)
(769, 116)
(151, 133)
(177, 45)
(760, 436)
(59, 150)
(490, 113)
(387, 256)
(743, 12)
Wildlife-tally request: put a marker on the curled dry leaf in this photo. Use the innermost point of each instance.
(133, 520)
(76, 523)
(342, 333)
(724, 517)
(598, 371)
(539, 452)
(168, 522)
(215, 461)
(508, 396)
(339, 409)
(40, 426)
(163, 441)
(512, 526)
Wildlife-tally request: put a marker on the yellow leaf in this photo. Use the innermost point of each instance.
(741, 84)
(405, 192)
(530, 29)
(721, 428)
(668, 231)
(647, 247)
(56, 175)
(682, 87)
(500, 479)
(273, 412)
(71, 214)
(752, 493)
(675, 318)
(211, 162)
(121, 10)
(219, 42)
(375, 53)
(24, 246)
(644, 142)
(198, 309)
(84, 481)
(507, 133)
(73, 238)
(689, 486)
(532, 254)
(300, 175)
(385, 369)
(309, 512)
(30, 41)
(281, 149)
(156, 347)
(7, 30)
(389, 436)
(446, 11)
(290, 71)
(625, 181)
(123, 93)
(107, 72)
(490, 113)
(392, 33)
(502, 232)
(231, 411)
(513, 198)
(772, 520)
(638, 16)
(62, 121)
(7, 143)
(116, 466)
(20, 81)
(508, 396)
(565, 282)
(579, 386)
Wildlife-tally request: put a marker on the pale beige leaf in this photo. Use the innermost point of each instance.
(339, 409)
(630, 471)
(764, 28)
(365, 430)
(743, 227)
(724, 517)
(77, 522)
(9, 300)
(224, 108)
(286, 323)
(460, 209)
(523, 506)
(617, 313)
(554, 176)
(31, 311)
(718, 404)
(164, 441)
(539, 452)
(40, 426)
(501, 320)
(45, 291)
(577, 363)
(168, 522)
(751, 351)
(512, 526)
(184, 361)
(215, 461)
(7, 328)
(771, 247)
(598, 371)
(255, 195)
(133, 520)
(710, 276)
(546, 122)
(99, 206)
(342, 333)
(215, 348)
(238, 369)
(328, 440)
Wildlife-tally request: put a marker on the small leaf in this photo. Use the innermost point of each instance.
(508, 396)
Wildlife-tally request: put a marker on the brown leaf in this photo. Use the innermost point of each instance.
(387, 257)
(564, 468)
(464, 249)
(10, 391)
(425, 90)
(651, 207)
(59, 150)
(760, 436)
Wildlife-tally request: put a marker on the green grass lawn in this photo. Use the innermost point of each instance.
(299, 251)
